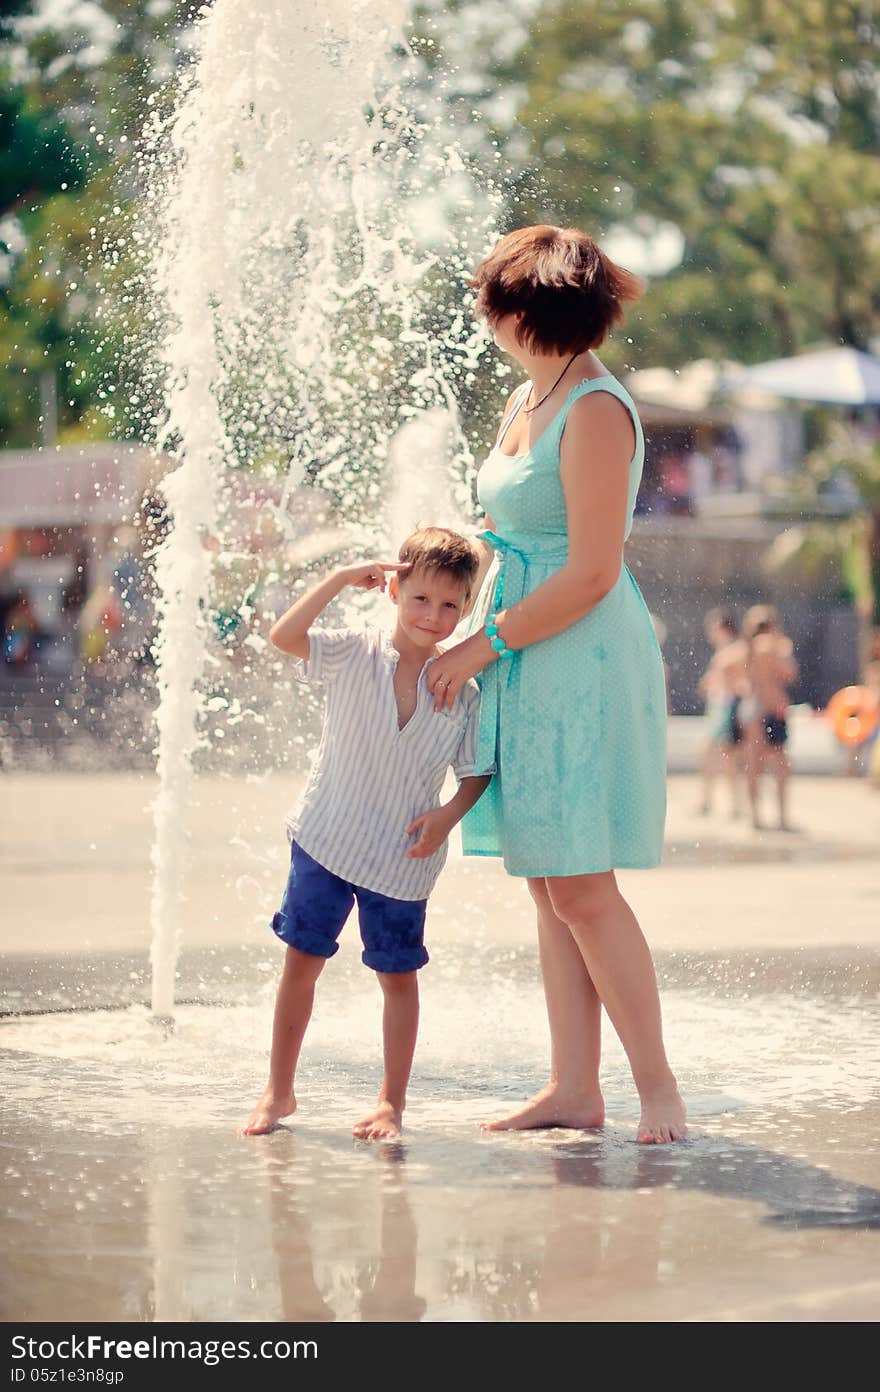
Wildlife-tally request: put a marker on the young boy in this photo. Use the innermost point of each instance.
(370, 827)
(771, 670)
(723, 685)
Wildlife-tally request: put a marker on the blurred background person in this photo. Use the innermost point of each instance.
(722, 686)
(21, 634)
(675, 483)
(872, 682)
(99, 621)
(770, 671)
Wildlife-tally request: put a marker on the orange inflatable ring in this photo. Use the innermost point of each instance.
(854, 713)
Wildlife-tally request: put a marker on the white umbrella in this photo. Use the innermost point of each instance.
(832, 376)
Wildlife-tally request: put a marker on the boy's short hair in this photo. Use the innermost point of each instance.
(568, 291)
(438, 548)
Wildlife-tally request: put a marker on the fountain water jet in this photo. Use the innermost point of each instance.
(295, 296)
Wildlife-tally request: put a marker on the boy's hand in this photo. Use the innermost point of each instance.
(433, 828)
(370, 575)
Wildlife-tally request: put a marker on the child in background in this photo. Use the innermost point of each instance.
(770, 671)
(722, 686)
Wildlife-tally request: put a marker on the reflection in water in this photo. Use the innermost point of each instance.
(167, 1229)
(384, 1284)
(301, 1298)
(392, 1295)
(598, 1260)
(307, 1225)
(798, 1194)
(128, 1194)
(540, 1248)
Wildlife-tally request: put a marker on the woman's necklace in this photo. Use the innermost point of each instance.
(527, 410)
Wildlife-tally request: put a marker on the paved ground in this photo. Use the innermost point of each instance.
(128, 1195)
(75, 859)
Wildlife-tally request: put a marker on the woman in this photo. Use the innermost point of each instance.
(574, 711)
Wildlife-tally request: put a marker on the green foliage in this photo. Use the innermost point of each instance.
(68, 133)
(10, 11)
(847, 551)
(36, 154)
(852, 453)
(750, 128)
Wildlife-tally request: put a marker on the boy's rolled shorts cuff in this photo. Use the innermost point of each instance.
(317, 903)
(285, 927)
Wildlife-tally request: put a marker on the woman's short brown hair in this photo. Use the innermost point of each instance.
(568, 292)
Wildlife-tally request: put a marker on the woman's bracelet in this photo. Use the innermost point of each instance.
(495, 639)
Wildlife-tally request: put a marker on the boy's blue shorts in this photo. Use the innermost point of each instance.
(317, 903)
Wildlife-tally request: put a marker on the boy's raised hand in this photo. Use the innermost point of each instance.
(370, 575)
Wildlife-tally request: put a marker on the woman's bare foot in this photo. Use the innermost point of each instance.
(553, 1107)
(267, 1113)
(384, 1124)
(663, 1117)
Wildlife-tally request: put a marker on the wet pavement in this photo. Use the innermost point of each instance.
(128, 1195)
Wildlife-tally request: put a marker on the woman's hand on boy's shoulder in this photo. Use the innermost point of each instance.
(456, 667)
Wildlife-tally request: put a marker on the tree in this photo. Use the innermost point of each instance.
(747, 130)
(849, 547)
(10, 11)
(68, 133)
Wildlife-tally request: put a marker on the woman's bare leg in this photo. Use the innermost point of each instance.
(620, 966)
(573, 1096)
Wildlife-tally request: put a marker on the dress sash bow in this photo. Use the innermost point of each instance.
(515, 552)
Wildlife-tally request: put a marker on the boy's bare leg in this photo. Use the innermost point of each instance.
(573, 1096)
(400, 1026)
(619, 963)
(293, 1010)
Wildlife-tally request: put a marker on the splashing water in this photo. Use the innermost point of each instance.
(307, 314)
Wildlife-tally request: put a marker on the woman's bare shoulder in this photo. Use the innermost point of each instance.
(511, 399)
(509, 407)
(601, 412)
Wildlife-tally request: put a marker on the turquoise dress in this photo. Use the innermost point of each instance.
(573, 726)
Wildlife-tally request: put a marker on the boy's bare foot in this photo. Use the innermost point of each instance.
(267, 1113)
(663, 1117)
(552, 1107)
(384, 1124)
